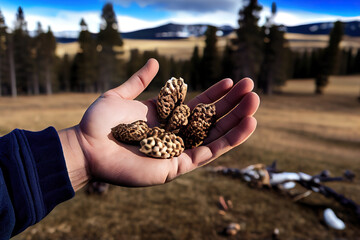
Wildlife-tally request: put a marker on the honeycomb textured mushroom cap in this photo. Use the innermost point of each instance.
(178, 119)
(130, 133)
(163, 145)
(156, 132)
(171, 95)
(206, 112)
(202, 118)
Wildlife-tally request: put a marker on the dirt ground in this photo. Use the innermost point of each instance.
(301, 131)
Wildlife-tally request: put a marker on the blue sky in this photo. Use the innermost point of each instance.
(346, 8)
(132, 15)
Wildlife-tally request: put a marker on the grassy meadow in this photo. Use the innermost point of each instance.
(182, 49)
(301, 131)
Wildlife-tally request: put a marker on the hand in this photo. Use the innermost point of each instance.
(91, 152)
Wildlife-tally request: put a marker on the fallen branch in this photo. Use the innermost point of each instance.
(260, 175)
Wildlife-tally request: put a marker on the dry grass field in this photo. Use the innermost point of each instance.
(182, 49)
(299, 130)
(178, 49)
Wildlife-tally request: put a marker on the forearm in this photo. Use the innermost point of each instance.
(74, 157)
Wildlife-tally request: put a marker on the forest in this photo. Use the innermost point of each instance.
(29, 65)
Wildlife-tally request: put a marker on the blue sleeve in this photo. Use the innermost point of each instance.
(33, 178)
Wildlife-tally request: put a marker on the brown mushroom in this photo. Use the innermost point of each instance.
(202, 118)
(156, 132)
(178, 119)
(161, 144)
(130, 133)
(171, 95)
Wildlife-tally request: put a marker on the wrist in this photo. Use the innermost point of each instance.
(74, 157)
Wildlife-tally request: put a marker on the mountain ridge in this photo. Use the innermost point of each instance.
(182, 31)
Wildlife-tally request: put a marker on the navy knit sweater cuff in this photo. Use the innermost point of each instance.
(45, 181)
(51, 168)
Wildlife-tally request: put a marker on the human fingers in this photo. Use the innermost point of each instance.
(237, 135)
(213, 93)
(247, 107)
(233, 97)
(139, 81)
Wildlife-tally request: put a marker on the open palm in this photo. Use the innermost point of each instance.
(123, 164)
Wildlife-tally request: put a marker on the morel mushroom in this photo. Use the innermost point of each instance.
(178, 119)
(201, 119)
(156, 132)
(163, 145)
(130, 133)
(171, 95)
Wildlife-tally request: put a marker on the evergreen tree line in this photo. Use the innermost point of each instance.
(263, 54)
(305, 64)
(28, 65)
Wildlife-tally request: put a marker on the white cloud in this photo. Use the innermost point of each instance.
(128, 24)
(217, 18)
(293, 18)
(184, 5)
(69, 20)
(61, 20)
(66, 21)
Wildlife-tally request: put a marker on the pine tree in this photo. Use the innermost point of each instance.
(109, 35)
(210, 62)
(249, 42)
(357, 62)
(74, 73)
(350, 62)
(64, 74)
(176, 67)
(195, 62)
(165, 71)
(87, 59)
(39, 58)
(49, 49)
(22, 54)
(227, 62)
(185, 66)
(344, 62)
(296, 64)
(3, 54)
(135, 62)
(329, 58)
(275, 55)
(107, 39)
(315, 59)
(305, 64)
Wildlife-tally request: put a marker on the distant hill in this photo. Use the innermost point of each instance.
(350, 28)
(175, 31)
(182, 31)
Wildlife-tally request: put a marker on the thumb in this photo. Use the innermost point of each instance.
(137, 83)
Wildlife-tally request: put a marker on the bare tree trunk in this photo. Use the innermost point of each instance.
(268, 90)
(36, 83)
(66, 72)
(0, 75)
(12, 68)
(48, 80)
(28, 85)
